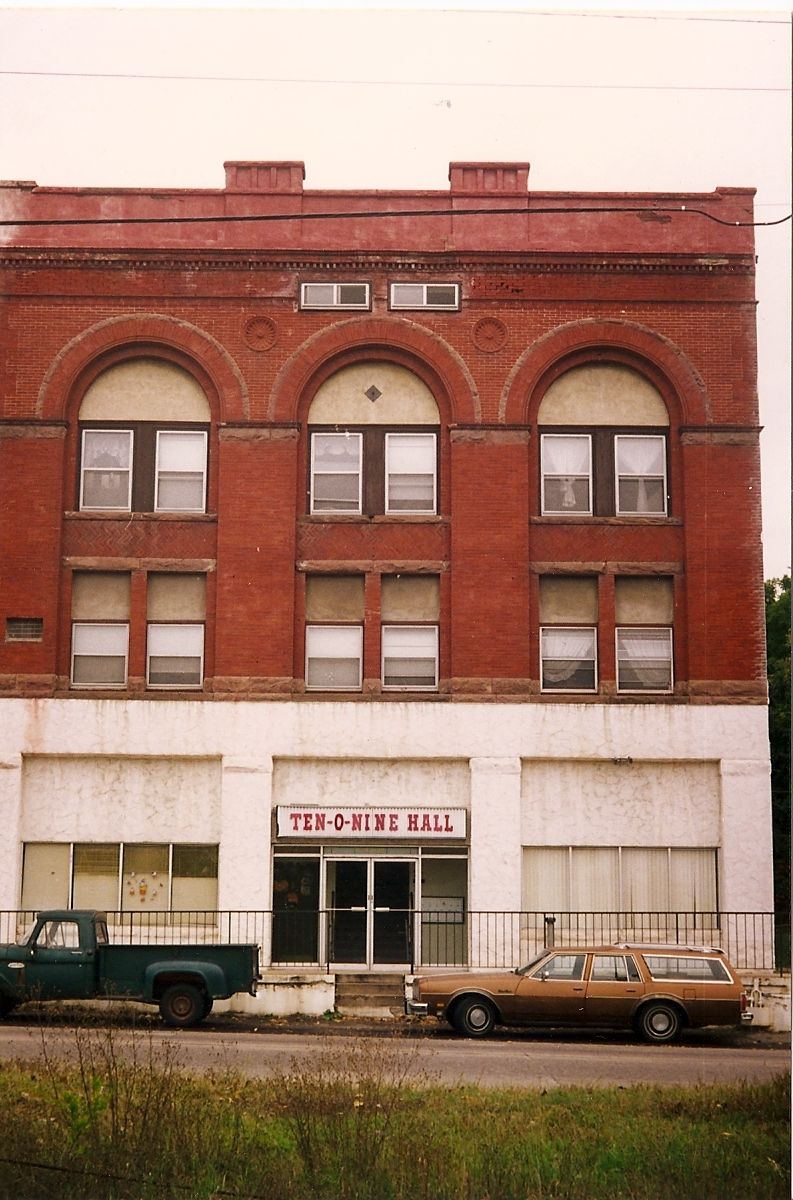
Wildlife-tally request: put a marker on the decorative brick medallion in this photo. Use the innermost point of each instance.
(261, 333)
(489, 335)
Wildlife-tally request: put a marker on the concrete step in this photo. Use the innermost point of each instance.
(370, 995)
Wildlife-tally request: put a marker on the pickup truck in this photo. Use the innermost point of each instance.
(68, 956)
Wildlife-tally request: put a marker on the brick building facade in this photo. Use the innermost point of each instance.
(382, 561)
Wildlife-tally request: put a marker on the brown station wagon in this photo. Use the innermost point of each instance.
(655, 990)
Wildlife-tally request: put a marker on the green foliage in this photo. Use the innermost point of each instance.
(359, 1122)
(777, 616)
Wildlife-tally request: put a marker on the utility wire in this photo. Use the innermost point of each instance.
(443, 83)
(650, 213)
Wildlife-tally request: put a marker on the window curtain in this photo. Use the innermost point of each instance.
(565, 454)
(564, 651)
(645, 658)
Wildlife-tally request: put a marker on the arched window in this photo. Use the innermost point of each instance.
(144, 427)
(603, 444)
(373, 443)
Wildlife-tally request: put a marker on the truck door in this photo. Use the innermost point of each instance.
(58, 965)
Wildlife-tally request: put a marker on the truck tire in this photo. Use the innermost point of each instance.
(182, 1005)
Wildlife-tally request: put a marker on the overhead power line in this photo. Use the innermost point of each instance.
(261, 218)
(445, 83)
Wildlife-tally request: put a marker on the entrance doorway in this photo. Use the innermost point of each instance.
(370, 906)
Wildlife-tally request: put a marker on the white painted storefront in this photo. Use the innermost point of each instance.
(529, 776)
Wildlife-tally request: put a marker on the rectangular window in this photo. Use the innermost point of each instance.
(334, 657)
(334, 295)
(640, 467)
(410, 461)
(692, 970)
(99, 655)
(425, 295)
(194, 878)
(336, 472)
(180, 471)
(566, 473)
(568, 659)
(410, 657)
(95, 876)
(145, 882)
(643, 879)
(644, 660)
(106, 475)
(175, 656)
(24, 629)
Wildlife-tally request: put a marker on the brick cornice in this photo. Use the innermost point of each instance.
(405, 263)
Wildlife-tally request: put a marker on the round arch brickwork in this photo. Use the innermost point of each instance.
(153, 335)
(391, 339)
(592, 341)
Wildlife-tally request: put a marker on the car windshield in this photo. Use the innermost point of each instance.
(533, 963)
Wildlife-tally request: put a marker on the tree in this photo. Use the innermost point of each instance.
(777, 620)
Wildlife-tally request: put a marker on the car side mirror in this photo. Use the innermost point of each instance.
(545, 975)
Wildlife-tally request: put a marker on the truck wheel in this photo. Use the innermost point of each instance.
(182, 1005)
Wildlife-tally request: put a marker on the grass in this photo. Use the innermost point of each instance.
(363, 1123)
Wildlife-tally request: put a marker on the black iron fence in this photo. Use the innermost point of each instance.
(425, 939)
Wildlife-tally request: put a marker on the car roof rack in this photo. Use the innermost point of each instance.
(668, 946)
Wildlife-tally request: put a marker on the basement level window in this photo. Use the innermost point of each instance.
(335, 295)
(24, 629)
(425, 295)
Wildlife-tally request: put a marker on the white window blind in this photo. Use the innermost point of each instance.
(336, 472)
(410, 656)
(175, 655)
(181, 471)
(99, 655)
(410, 472)
(333, 657)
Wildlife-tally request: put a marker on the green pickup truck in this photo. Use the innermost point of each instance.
(68, 956)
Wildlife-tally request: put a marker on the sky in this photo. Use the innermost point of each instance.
(644, 98)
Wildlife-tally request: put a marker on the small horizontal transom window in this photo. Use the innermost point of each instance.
(334, 295)
(425, 295)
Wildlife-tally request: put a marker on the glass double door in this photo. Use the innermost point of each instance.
(370, 911)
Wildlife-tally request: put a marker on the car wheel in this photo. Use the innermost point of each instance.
(659, 1023)
(182, 1005)
(474, 1016)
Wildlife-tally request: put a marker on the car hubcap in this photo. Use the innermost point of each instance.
(478, 1018)
(660, 1022)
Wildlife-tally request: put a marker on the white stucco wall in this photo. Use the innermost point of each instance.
(198, 771)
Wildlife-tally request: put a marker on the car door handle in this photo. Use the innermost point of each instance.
(579, 989)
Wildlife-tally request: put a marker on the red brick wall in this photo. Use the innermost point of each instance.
(671, 297)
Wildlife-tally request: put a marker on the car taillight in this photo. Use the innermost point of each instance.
(744, 1002)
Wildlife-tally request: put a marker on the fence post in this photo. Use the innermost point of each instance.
(550, 932)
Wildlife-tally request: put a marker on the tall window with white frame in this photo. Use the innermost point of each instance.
(176, 614)
(568, 633)
(334, 632)
(409, 610)
(100, 629)
(645, 616)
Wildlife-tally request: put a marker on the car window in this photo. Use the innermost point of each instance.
(609, 968)
(702, 970)
(56, 935)
(561, 966)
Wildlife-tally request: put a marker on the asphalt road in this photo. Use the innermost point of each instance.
(506, 1060)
